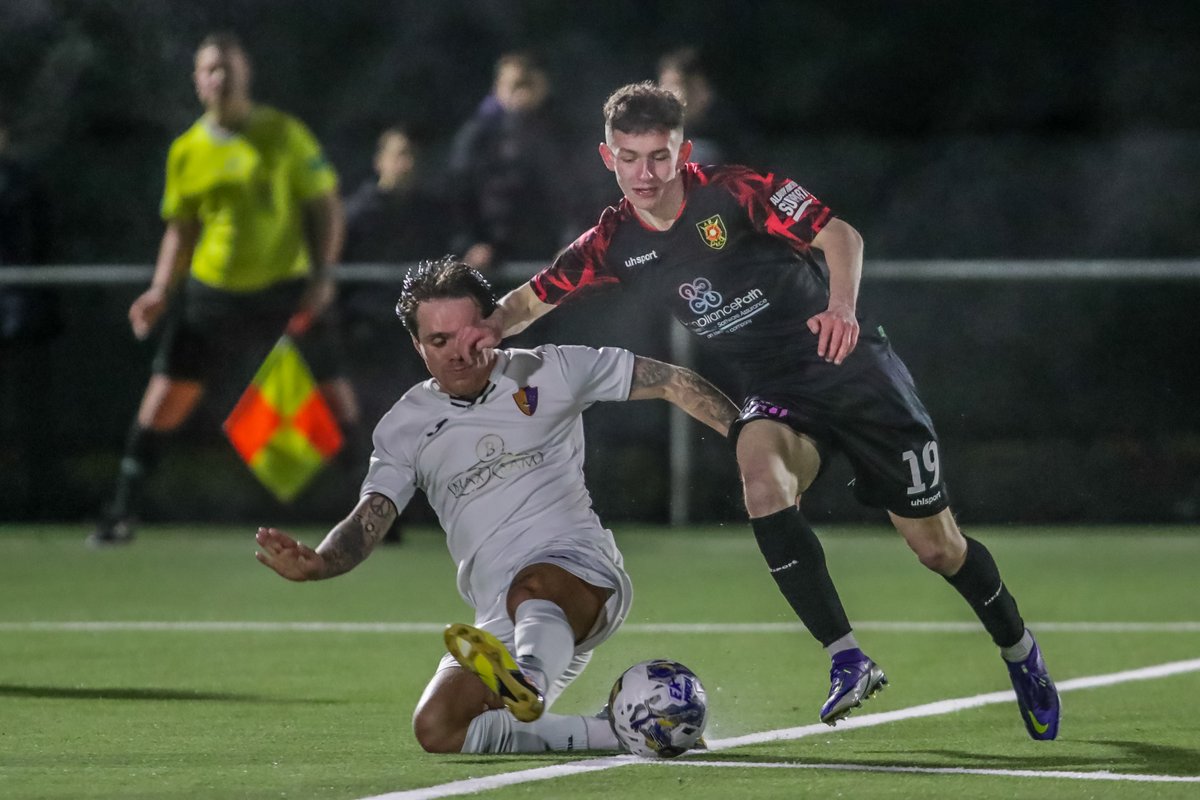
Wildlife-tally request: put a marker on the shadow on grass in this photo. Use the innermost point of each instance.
(1134, 757)
(126, 693)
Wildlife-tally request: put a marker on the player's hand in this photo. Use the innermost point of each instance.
(293, 560)
(147, 310)
(474, 342)
(836, 329)
(317, 297)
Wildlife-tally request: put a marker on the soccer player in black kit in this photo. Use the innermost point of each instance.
(732, 253)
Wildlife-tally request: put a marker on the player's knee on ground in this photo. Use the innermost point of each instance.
(452, 699)
(434, 735)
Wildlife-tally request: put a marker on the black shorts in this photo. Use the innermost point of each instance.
(214, 335)
(868, 409)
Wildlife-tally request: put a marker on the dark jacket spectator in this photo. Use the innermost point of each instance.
(507, 172)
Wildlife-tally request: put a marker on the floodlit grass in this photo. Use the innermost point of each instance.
(227, 713)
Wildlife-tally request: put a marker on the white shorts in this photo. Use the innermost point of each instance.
(589, 563)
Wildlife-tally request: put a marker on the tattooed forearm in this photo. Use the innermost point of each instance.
(702, 400)
(684, 388)
(353, 539)
(649, 374)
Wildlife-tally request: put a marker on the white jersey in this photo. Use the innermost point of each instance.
(504, 473)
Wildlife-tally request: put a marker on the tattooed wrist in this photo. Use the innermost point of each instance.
(353, 539)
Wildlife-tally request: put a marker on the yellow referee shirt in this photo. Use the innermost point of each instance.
(247, 190)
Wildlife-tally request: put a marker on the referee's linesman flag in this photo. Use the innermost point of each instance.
(282, 427)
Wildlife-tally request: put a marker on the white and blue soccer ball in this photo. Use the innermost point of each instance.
(659, 709)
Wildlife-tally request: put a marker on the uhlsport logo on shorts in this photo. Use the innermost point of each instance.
(712, 231)
(700, 294)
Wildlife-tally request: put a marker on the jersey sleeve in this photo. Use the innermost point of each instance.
(594, 375)
(775, 205)
(582, 266)
(391, 472)
(174, 204)
(312, 175)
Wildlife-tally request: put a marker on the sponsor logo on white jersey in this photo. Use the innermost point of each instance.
(494, 462)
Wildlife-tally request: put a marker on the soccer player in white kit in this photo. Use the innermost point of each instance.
(497, 446)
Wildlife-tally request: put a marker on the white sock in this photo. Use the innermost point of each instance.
(497, 731)
(847, 642)
(1019, 651)
(545, 642)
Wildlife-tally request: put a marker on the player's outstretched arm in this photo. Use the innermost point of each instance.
(687, 390)
(515, 312)
(289, 558)
(836, 327)
(344, 548)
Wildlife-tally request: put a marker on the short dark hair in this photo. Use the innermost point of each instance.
(526, 60)
(641, 108)
(444, 279)
(225, 41)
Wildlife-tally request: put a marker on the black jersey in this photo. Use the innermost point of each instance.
(738, 271)
(735, 269)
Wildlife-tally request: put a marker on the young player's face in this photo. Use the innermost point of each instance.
(222, 77)
(647, 168)
(439, 324)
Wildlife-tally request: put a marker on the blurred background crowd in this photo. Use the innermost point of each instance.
(941, 130)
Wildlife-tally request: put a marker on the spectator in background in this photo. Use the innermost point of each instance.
(507, 171)
(716, 130)
(392, 219)
(253, 228)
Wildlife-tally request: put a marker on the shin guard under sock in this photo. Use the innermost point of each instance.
(797, 563)
(978, 581)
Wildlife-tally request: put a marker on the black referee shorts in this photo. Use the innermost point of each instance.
(868, 409)
(214, 335)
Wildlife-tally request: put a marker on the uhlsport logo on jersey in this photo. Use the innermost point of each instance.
(700, 294)
(526, 400)
(712, 231)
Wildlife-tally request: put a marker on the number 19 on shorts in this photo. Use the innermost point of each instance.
(926, 470)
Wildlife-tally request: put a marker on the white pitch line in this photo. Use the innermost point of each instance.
(960, 704)
(474, 785)
(236, 626)
(1102, 775)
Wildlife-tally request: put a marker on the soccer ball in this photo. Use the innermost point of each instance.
(659, 709)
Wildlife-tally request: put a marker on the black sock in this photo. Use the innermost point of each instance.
(797, 563)
(978, 580)
(142, 450)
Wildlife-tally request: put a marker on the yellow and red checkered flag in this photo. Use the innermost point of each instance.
(282, 427)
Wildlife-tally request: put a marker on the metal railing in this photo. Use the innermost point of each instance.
(681, 446)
